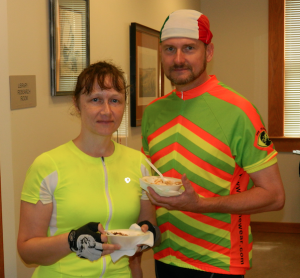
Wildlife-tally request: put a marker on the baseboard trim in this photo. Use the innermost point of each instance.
(275, 227)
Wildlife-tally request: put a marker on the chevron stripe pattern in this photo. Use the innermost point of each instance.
(199, 136)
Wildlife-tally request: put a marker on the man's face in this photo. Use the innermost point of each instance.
(184, 62)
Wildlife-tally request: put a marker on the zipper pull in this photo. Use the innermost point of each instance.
(181, 95)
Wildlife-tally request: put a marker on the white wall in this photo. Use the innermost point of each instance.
(25, 133)
(240, 30)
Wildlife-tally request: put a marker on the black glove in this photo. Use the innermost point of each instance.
(154, 230)
(86, 242)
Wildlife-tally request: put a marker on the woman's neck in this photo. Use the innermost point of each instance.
(96, 147)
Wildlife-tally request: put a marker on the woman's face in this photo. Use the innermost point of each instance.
(101, 111)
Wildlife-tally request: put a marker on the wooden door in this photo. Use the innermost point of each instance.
(1, 239)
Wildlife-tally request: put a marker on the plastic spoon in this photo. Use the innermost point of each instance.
(155, 169)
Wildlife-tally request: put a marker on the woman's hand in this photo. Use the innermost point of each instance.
(35, 247)
(142, 247)
(144, 228)
(107, 248)
(87, 243)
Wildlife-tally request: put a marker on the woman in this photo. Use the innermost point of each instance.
(88, 180)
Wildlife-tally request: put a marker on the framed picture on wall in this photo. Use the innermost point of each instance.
(69, 43)
(146, 74)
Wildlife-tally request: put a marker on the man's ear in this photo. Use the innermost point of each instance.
(210, 52)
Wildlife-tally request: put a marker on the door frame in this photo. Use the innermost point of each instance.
(1, 237)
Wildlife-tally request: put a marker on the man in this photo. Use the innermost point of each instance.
(214, 139)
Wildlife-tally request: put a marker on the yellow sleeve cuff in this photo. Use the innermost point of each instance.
(262, 166)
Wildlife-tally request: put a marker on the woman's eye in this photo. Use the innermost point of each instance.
(95, 99)
(115, 100)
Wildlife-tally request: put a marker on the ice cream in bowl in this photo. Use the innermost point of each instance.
(127, 238)
(168, 187)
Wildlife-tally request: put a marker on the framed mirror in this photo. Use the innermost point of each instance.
(69, 43)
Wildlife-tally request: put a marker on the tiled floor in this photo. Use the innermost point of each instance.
(275, 255)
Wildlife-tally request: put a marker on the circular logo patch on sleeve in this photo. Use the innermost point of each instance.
(264, 140)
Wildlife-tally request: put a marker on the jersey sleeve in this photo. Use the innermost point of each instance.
(145, 146)
(251, 146)
(41, 181)
(146, 171)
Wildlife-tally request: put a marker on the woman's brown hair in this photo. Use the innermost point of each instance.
(99, 71)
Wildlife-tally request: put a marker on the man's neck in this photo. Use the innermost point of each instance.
(199, 81)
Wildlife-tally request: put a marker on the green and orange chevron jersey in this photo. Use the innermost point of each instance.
(216, 137)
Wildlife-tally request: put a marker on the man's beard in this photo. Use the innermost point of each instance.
(192, 76)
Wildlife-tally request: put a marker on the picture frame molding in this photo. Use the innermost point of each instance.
(53, 10)
(136, 110)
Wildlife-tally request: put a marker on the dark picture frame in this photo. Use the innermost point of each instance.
(69, 43)
(146, 73)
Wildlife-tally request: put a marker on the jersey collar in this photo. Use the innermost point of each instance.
(197, 91)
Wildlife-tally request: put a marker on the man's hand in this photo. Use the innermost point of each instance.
(267, 194)
(187, 201)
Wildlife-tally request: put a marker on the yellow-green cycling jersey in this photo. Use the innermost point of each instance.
(86, 189)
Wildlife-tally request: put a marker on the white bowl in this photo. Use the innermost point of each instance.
(128, 242)
(161, 189)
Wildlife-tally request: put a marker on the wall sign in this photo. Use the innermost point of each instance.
(22, 91)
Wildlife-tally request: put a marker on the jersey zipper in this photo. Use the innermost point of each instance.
(107, 194)
(182, 95)
(110, 209)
